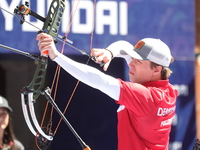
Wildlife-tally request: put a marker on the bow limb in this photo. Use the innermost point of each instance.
(32, 113)
(29, 94)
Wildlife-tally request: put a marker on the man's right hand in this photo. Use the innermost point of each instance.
(102, 56)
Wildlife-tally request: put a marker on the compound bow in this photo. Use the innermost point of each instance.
(30, 93)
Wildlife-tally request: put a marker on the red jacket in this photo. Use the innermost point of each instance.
(145, 115)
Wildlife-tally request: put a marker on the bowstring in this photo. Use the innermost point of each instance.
(57, 75)
(73, 12)
(77, 83)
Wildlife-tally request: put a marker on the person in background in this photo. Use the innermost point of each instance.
(7, 137)
(147, 102)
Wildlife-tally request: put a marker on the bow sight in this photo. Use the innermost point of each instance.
(23, 10)
(51, 22)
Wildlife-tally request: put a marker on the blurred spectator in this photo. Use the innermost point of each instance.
(7, 137)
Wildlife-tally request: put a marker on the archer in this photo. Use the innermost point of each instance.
(140, 126)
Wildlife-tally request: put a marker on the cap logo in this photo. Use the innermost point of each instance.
(139, 44)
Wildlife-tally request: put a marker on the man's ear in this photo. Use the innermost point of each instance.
(158, 69)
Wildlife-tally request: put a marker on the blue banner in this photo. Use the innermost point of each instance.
(131, 20)
(183, 133)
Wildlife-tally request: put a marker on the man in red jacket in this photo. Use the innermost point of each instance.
(147, 102)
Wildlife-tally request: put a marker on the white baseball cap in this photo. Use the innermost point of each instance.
(4, 103)
(151, 49)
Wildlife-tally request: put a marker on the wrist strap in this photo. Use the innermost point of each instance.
(110, 53)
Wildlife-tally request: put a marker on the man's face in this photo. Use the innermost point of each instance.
(140, 71)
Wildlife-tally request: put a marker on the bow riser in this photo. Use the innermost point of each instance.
(38, 80)
(54, 17)
(30, 93)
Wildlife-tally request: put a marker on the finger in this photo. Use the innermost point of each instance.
(43, 36)
(45, 41)
(40, 36)
(42, 43)
(101, 58)
(106, 65)
(96, 60)
(44, 48)
(96, 52)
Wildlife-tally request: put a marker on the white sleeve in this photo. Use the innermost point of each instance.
(90, 76)
(119, 49)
